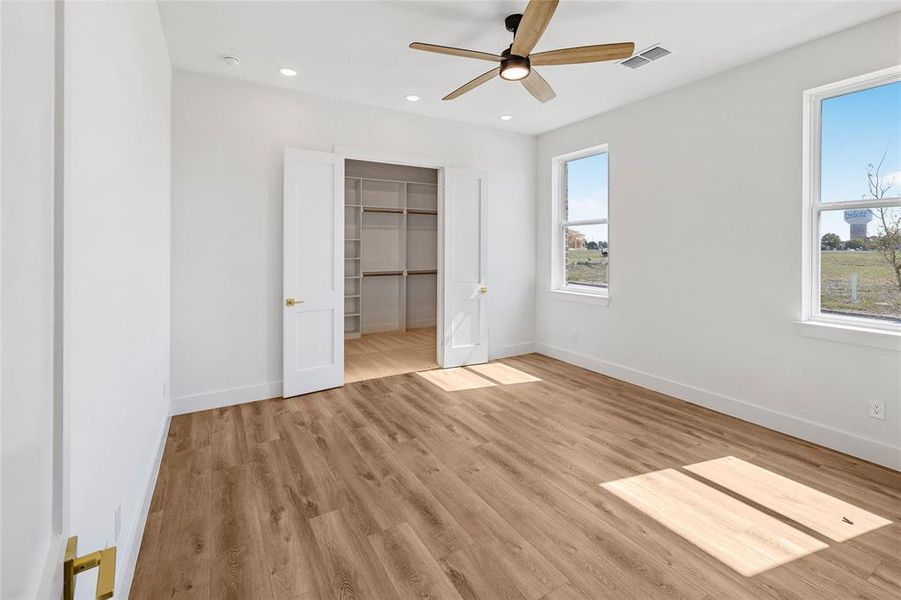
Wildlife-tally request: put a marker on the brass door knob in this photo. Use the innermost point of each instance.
(293, 302)
(483, 289)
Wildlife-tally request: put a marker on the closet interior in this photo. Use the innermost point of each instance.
(390, 268)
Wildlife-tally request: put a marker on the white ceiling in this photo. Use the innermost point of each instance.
(357, 51)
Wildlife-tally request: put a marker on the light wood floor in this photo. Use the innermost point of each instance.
(391, 488)
(391, 353)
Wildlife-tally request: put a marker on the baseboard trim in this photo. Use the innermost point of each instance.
(495, 352)
(228, 397)
(137, 534)
(843, 441)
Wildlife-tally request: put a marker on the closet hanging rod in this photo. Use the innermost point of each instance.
(383, 209)
(382, 273)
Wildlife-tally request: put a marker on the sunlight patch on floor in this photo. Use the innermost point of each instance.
(734, 533)
(456, 379)
(821, 512)
(503, 374)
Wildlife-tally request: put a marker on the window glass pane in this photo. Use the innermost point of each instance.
(857, 129)
(585, 248)
(860, 262)
(586, 188)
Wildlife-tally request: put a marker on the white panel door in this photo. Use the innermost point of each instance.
(464, 273)
(313, 300)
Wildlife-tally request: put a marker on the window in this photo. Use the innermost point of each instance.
(853, 214)
(581, 254)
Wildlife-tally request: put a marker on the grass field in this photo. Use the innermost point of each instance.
(588, 267)
(877, 288)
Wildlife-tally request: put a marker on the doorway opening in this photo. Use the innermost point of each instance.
(390, 269)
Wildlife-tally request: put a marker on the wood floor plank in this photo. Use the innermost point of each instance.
(821, 512)
(180, 559)
(238, 548)
(228, 437)
(410, 565)
(392, 488)
(352, 569)
(293, 568)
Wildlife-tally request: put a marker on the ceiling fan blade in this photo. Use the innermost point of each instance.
(538, 87)
(473, 84)
(456, 51)
(583, 54)
(534, 21)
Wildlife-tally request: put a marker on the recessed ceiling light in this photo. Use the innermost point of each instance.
(288, 72)
(412, 98)
(506, 117)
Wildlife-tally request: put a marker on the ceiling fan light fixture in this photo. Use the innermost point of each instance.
(514, 68)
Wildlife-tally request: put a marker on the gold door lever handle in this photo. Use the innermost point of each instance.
(293, 302)
(483, 289)
(104, 560)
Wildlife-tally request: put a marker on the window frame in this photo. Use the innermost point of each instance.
(559, 287)
(811, 312)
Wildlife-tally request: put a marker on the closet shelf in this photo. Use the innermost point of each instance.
(422, 271)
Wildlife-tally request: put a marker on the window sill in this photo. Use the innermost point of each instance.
(583, 297)
(849, 334)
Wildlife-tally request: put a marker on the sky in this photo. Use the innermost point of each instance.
(586, 180)
(856, 129)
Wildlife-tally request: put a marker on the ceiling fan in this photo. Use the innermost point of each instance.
(516, 62)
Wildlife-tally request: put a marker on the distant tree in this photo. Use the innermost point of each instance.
(888, 219)
(592, 245)
(830, 241)
(856, 245)
(574, 239)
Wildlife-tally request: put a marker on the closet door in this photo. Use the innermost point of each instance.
(464, 272)
(313, 272)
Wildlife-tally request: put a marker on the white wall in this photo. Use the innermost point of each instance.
(26, 295)
(228, 144)
(118, 267)
(705, 197)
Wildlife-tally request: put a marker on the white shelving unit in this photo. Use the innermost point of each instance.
(390, 254)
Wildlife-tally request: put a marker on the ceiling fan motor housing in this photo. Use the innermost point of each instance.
(512, 23)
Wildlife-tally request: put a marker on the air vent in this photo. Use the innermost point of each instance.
(635, 62)
(645, 56)
(655, 53)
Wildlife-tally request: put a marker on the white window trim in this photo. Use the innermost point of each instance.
(559, 288)
(815, 323)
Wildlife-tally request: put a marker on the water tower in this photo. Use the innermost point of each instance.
(858, 220)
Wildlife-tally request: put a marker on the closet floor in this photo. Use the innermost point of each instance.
(377, 355)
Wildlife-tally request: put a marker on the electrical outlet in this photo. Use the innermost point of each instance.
(877, 409)
(165, 390)
(118, 522)
(574, 335)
